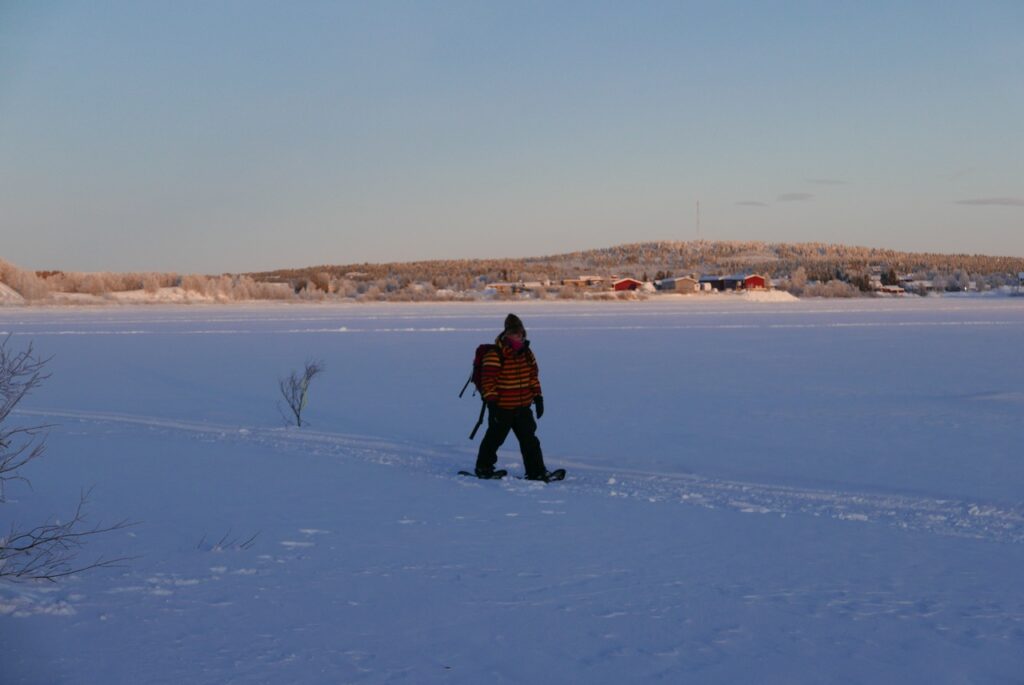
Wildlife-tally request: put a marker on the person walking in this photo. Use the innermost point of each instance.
(510, 384)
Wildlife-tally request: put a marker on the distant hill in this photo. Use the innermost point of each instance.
(821, 261)
(815, 269)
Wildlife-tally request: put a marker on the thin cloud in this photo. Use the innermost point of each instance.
(752, 203)
(961, 173)
(826, 181)
(994, 201)
(795, 197)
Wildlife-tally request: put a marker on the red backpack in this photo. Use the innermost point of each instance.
(476, 378)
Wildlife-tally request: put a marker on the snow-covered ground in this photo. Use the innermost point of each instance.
(776, 492)
(160, 296)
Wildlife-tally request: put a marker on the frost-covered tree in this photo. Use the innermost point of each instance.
(834, 288)
(959, 281)
(194, 283)
(797, 282)
(151, 283)
(25, 283)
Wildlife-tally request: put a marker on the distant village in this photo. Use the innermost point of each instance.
(685, 285)
(680, 285)
(639, 270)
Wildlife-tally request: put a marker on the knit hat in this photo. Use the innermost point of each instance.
(514, 325)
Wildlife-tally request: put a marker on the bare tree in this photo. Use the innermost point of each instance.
(50, 550)
(20, 373)
(295, 389)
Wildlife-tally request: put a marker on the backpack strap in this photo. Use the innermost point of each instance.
(480, 420)
(468, 381)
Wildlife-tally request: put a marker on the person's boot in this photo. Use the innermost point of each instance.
(547, 476)
(490, 473)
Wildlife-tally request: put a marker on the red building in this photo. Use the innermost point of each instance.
(735, 282)
(754, 281)
(626, 284)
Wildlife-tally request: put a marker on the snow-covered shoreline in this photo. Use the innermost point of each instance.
(171, 297)
(180, 296)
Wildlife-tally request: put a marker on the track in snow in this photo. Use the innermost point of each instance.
(961, 518)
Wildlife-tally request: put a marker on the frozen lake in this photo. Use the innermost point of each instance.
(876, 442)
(910, 395)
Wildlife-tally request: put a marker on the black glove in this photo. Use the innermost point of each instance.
(539, 401)
(492, 406)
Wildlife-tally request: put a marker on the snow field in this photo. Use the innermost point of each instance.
(838, 502)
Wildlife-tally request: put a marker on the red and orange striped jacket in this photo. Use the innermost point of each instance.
(510, 379)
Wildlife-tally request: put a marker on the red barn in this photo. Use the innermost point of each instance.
(754, 281)
(626, 284)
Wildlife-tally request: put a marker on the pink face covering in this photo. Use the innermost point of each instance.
(516, 343)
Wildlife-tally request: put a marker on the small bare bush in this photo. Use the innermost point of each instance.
(227, 542)
(295, 389)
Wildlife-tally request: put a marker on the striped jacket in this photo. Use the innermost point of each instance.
(510, 379)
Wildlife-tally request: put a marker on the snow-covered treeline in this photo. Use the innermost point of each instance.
(815, 269)
(66, 286)
(804, 269)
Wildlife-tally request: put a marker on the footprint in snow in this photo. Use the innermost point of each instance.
(163, 586)
(121, 590)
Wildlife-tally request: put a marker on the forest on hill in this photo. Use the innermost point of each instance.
(803, 268)
(820, 262)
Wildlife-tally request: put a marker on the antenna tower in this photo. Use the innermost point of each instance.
(698, 220)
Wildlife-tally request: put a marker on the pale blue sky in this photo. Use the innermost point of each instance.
(234, 136)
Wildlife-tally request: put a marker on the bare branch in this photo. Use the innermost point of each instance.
(20, 373)
(51, 549)
(295, 388)
(250, 542)
(227, 542)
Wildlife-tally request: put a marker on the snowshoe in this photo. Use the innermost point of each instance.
(493, 474)
(548, 476)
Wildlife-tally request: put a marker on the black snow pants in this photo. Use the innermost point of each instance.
(520, 421)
